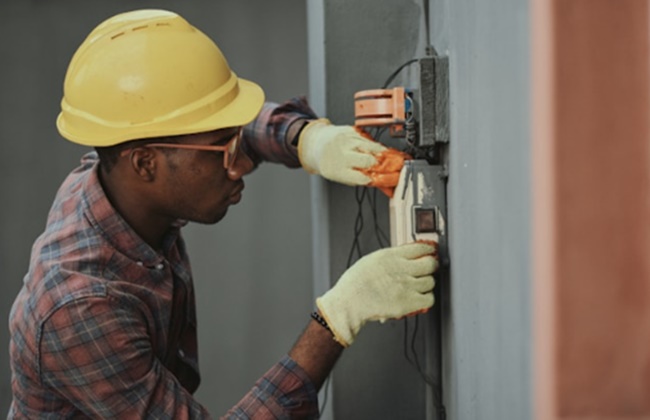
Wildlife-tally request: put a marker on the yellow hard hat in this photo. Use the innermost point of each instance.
(149, 73)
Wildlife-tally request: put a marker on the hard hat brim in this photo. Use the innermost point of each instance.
(240, 111)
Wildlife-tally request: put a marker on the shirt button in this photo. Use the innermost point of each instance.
(160, 266)
(181, 353)
(140, 263)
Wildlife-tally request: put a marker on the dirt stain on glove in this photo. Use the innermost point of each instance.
(384, 175)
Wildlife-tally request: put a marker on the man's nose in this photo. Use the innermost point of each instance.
(243, 165)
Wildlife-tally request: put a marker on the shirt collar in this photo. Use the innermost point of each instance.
(114, 228)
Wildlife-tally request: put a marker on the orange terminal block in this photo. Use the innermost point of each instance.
(380, 107)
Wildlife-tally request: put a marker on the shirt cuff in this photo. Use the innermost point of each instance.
(285, 391)
(269, 137)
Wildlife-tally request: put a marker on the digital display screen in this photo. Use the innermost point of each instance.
(425, 220)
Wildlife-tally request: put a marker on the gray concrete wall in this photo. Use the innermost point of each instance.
(253, 270)
(487, 339)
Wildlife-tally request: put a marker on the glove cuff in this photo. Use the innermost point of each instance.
(337, 320)
(308, 145)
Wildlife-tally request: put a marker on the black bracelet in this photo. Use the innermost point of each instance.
(320, 320)
(303, 123)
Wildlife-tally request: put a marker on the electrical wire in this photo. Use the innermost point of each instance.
(416, 358)
(413, 359)
(429, 50)
(396, 72)
(382, 238)
(361, 194)
(407, 356)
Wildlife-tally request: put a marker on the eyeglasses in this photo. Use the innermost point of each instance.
(230, 149)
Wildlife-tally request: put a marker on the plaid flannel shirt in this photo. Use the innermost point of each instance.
(105, 327)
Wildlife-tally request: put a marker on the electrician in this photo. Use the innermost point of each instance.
(105, 324)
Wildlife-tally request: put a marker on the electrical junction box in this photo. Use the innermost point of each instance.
(432, 102)
(419, 115)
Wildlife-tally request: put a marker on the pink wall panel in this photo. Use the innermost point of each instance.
(599, 251)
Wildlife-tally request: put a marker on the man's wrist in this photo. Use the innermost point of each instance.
(294, 130)
(318, 318)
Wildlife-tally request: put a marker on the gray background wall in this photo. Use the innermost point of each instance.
(253, 270)
(486, 304)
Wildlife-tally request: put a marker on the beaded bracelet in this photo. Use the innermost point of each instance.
(320, 320)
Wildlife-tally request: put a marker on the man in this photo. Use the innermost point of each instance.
(105, 324)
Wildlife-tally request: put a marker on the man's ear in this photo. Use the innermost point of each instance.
(143, 161)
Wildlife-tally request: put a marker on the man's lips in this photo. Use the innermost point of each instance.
(235, 195)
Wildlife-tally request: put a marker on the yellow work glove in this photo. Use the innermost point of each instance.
(337, 152)
(386, 284)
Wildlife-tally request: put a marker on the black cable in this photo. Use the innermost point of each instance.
(360, 194)
(415, 362)
(406, 347)
(415, 353)
(396, 72)
(378, 131)
(382, 238)
(437, 391)
(429, 50)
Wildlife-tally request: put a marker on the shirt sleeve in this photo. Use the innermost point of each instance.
(284, 392)
(265, 139)
(97, 354)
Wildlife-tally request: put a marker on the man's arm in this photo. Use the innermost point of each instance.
(387, 284)
(289, 389)
(292, 134)
(316, 352)
(96, 352)
(270, 137)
